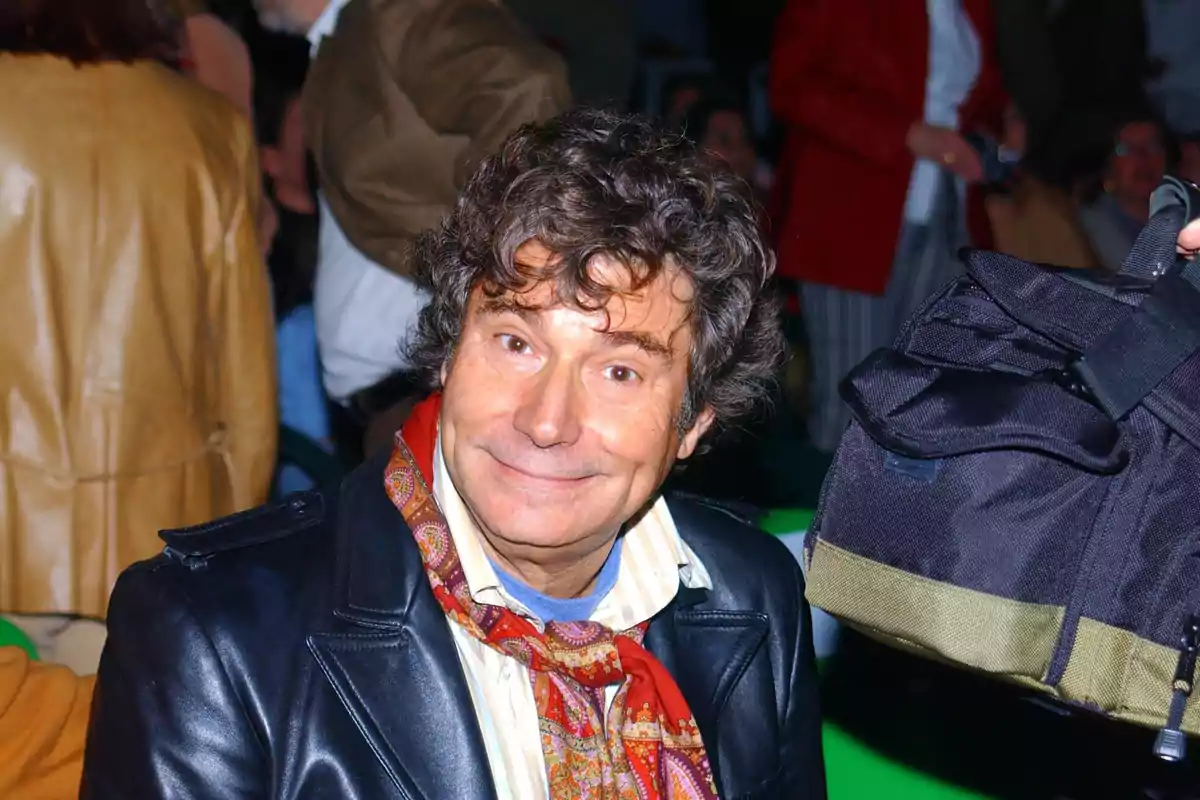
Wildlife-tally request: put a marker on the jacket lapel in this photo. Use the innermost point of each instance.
(394, 666)
(707, 652)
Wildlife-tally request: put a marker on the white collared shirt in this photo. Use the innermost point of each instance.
(325, 24)
(364, 312)
(655, 561)
(954, 64)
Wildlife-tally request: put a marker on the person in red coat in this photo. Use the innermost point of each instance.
(875, 99)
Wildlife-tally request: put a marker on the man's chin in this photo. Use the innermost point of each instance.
(533, 524)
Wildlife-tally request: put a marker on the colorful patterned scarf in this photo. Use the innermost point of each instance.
(647, 747)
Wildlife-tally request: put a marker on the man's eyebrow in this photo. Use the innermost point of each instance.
(495, 306)
(645, 342)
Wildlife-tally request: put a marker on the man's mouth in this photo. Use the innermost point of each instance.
(560, 478)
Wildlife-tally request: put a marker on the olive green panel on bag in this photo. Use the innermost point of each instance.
(960, 625)
(1127, 676)
(1123, 675)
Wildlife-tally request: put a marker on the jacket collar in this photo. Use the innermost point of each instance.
(380, 579)
(394, 665)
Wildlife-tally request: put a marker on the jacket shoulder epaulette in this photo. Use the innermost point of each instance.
(246, 528)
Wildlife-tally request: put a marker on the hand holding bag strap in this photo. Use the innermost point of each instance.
(1125, 365)
(1172, 206)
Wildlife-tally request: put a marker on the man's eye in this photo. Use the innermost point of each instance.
(513, 344)
(622, 374)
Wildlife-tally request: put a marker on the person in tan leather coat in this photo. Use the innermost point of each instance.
(215, 54)
(136, 339)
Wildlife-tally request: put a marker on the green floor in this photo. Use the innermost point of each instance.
(853, 768)
(896, 726)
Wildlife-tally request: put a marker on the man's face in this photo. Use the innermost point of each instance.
(289, 16)
(557, 427)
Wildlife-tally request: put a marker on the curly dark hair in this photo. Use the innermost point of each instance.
(591, 183)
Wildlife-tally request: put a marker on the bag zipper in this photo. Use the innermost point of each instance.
(1171, 743)
(1060, 656)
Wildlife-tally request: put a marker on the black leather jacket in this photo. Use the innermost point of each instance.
(296, 651)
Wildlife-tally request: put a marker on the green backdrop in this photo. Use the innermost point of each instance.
(855, 771)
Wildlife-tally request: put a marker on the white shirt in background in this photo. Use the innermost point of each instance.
(954, 64)
(364, 312)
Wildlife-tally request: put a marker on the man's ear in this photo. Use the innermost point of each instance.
(687, 444)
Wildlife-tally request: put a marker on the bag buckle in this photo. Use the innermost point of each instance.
(1067, 377)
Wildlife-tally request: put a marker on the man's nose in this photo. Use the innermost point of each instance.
(551, 407)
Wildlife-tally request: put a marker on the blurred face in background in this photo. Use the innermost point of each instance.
(295, 17)
(1138, 164)
(679, 102)
(286, 162)
(1015, 130)
(728, 137)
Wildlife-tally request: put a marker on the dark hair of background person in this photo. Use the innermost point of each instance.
(91, 31)
(596, 183)
(237, 14)
(1079, 167)
(280, 67)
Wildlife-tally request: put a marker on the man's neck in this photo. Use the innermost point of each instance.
(555, 572)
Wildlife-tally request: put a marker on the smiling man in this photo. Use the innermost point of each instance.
(505, 606)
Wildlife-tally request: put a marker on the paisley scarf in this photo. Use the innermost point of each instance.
(646, 747)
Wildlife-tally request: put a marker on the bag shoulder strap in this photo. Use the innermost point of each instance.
(1125, 365)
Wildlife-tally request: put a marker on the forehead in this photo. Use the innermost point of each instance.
(661, 305)
(664, 299)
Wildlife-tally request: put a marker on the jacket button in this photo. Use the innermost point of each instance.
(300, 506)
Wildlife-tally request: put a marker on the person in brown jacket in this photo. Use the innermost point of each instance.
(136, 338)
(44, 712)
(402, 101)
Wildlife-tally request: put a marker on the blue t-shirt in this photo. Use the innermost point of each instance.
(301, 397)
(558, 609)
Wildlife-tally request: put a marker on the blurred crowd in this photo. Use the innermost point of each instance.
(209, 209)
